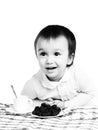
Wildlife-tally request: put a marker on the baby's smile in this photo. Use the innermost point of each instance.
(51, 68)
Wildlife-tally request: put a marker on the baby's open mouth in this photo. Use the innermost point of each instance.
(50, 68)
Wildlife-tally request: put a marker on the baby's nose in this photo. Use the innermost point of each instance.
(50, 60)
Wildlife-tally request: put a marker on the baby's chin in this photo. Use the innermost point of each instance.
(51, 78)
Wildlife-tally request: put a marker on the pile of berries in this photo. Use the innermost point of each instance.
(46, 110)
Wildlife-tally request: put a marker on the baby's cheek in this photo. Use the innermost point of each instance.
(42, 62)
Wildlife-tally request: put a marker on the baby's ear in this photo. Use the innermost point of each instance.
(70, 60)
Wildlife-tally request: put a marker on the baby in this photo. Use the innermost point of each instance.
(57, 80)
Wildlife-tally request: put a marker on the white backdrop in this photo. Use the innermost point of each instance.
(21, 20)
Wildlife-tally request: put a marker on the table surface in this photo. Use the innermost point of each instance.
(79, 119)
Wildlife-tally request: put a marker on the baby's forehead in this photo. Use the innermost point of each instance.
(52, 43)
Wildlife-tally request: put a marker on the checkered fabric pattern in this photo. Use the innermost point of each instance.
(79, 119)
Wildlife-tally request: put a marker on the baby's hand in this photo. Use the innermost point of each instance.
(60, 104)
(64, 105)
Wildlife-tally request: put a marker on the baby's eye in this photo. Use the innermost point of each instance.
(57, 53)
(42, 54)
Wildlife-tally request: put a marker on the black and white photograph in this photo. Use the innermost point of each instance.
(48, 65)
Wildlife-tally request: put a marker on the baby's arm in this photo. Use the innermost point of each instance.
(80, 100)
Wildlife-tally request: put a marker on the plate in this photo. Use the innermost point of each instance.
(11, 109)
(45, 117)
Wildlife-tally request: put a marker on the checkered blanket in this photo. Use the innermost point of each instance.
(78, 119)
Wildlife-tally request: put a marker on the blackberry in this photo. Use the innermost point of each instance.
(46, 110)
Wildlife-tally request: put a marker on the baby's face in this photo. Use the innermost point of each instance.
(53, 56)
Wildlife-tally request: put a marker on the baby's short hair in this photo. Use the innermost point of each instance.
(54, 31)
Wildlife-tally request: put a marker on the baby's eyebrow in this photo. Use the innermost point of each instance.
(40, 49)
(59, 50)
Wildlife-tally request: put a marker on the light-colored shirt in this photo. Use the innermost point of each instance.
(72, 84)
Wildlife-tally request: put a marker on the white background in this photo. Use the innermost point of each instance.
(20, 22)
